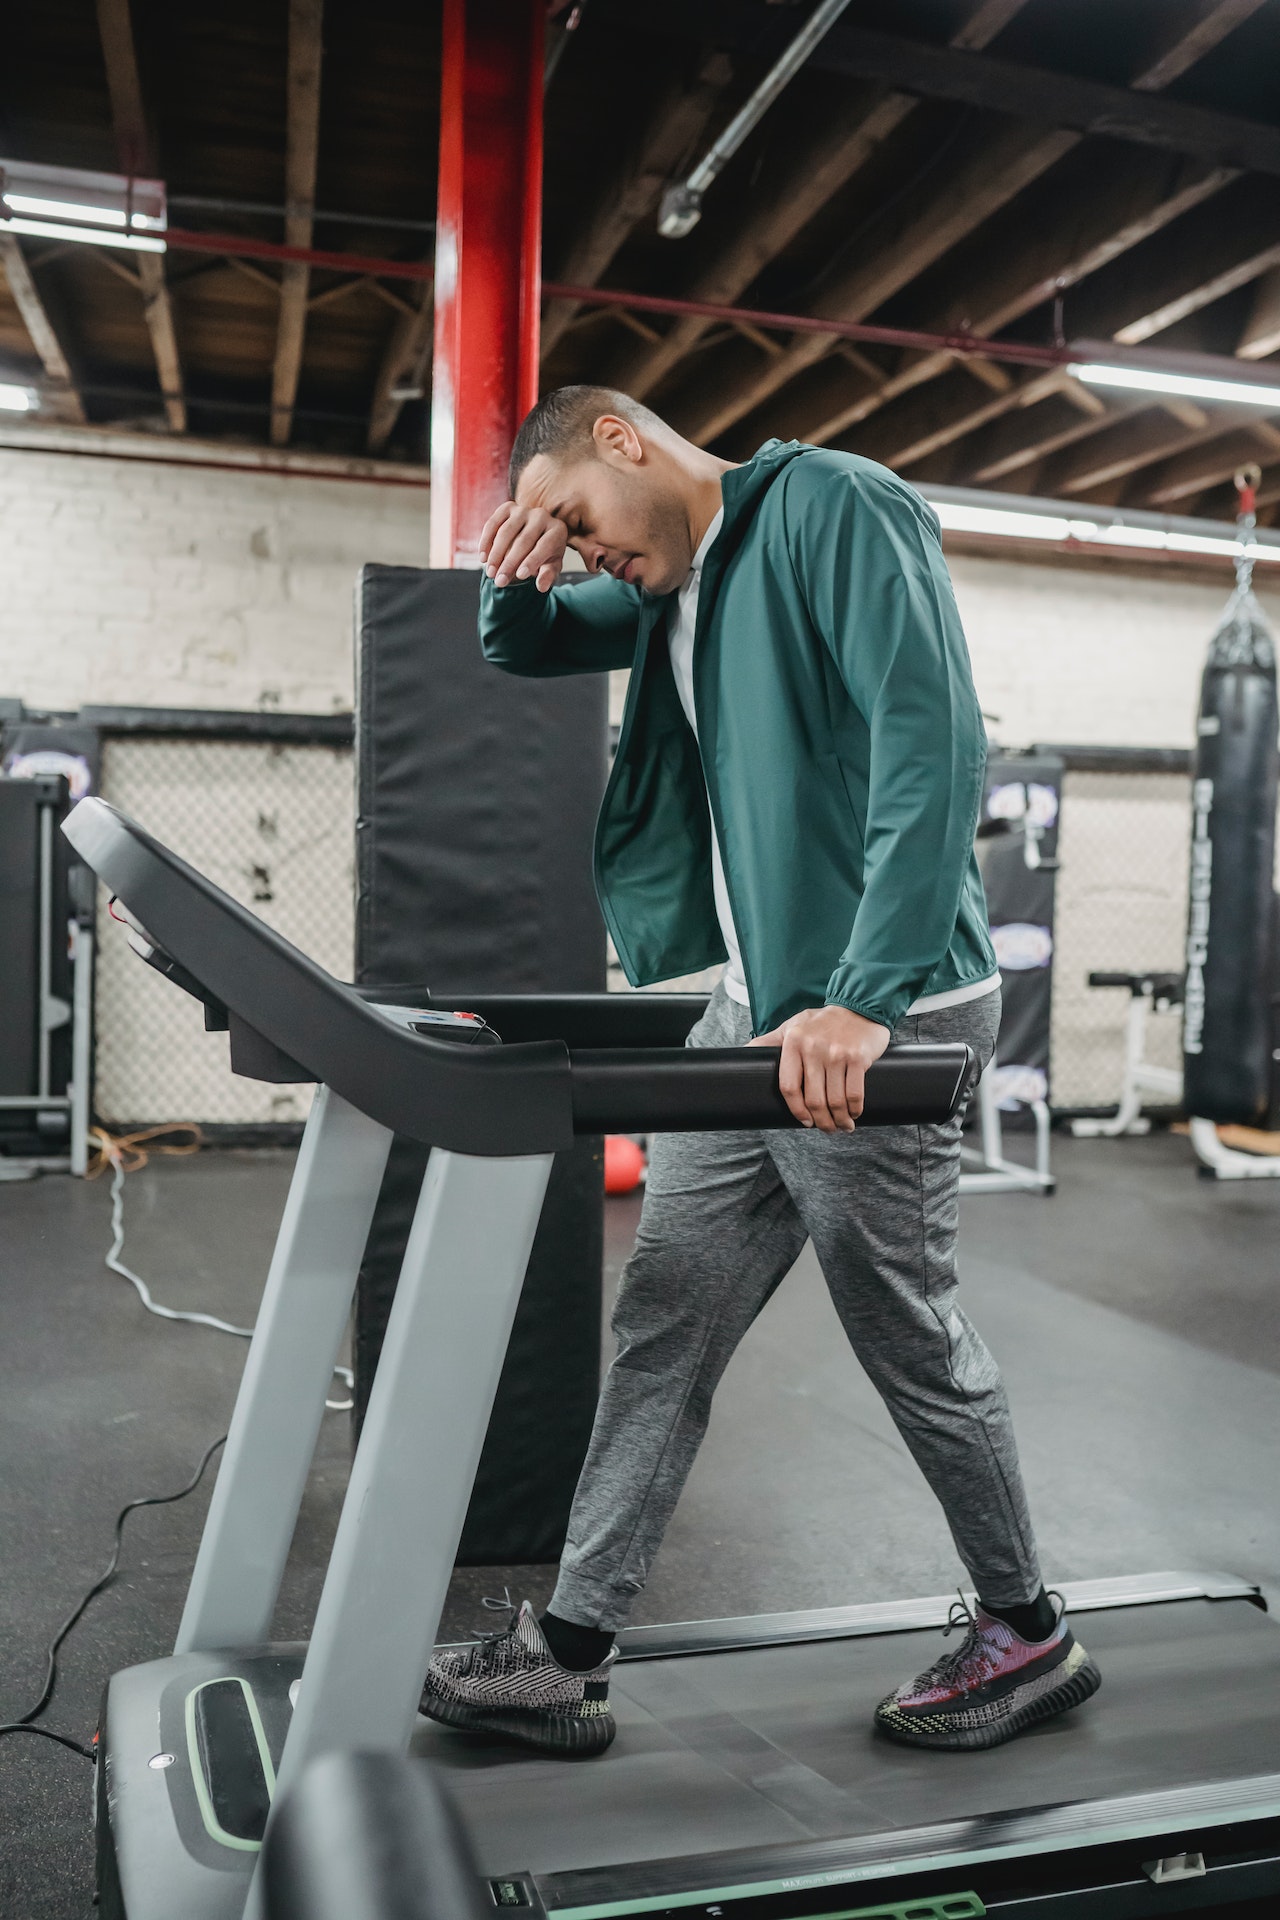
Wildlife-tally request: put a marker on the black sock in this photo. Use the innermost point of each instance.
(1034, 1621)
(577, 1648)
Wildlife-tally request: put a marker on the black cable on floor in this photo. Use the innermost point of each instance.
(47, 1733)
(23, 1723)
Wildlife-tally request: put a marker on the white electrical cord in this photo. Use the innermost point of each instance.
(116, 1265)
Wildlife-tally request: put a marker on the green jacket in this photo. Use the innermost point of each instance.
(841, 743)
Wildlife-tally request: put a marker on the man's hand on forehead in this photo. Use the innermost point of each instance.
(523, 543)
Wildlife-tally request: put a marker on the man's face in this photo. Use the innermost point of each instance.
(621, 516)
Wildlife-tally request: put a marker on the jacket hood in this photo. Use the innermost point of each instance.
(743, 486)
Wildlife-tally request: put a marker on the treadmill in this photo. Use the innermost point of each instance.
(746, 1778)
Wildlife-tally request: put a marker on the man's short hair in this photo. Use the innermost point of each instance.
(561, 424)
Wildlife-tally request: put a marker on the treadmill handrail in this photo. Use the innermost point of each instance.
(532, 1096)
(478, 1100)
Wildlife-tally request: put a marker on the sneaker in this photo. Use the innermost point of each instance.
(509, 1683)
(992, 1687)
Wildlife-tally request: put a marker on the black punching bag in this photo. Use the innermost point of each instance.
(1227, 1019)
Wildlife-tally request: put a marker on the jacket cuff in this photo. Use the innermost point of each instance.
(886, 1012)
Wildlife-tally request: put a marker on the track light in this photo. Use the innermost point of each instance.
(1063, 529)
(1189, 386)
(44, 209)
(85, 236)
(87, 208)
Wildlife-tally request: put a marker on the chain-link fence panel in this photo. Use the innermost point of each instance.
(275, 827)
(1124, 846)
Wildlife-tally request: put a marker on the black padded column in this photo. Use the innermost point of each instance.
(477, 796)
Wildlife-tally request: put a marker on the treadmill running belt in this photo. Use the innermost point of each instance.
(749, 1748)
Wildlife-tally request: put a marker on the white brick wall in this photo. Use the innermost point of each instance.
(129, 583)
(1092, 655)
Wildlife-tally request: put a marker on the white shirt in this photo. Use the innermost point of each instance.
(680, 628)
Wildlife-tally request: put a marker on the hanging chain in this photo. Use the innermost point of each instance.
(1246, 482)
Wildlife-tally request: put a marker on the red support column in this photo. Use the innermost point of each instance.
(488, 244)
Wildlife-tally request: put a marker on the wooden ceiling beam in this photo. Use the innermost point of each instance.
(1050, 99)
(826, 164)
(60, 383)
(1124, 210)
(302, 152)
(1189, 41)
(136, 156)
(1261, 334)
(672, 133)
(1003, 448)
(1101, 219)
(976, 190)
(403, 368)
(1176, 480)
(1126, 446)
(1189, 32)
(1113, 304)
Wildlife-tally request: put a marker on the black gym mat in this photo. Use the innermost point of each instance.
(762, 1746)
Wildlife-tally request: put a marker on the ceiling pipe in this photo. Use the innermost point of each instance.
(1024, 353)
(681, 206)
(208, 203)
(1068, 354)
(239, 246)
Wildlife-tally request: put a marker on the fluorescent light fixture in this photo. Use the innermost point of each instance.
(91, 209)
(36, 204)
(1006, 523)
(85, 236)
(1189, 386)
(15, 399)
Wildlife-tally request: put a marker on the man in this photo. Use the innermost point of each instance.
(795, 792)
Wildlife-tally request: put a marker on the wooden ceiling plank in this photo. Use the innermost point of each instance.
(302, 150)
(1003, 448)
(1050, 99)
(988, 18)
(249, 270)
(1176, 480)
(1130, 445)
(404, 366)
(673, 132)
(61, 385)
(1261, 334)
(1126, 209)
(1213, 240)
(1195, 39)
(1113, 232)
(827, 164)
(975, 191)
(133, 146)
(1213, 286)
(1196, 31)
(988, 373)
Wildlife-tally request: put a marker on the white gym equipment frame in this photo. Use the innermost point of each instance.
(991, 1172)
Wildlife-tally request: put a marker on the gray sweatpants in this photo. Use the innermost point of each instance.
(725, 1216)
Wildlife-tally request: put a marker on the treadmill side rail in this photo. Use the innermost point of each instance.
(286, 1378)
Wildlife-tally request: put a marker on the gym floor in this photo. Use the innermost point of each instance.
(1135, 1316)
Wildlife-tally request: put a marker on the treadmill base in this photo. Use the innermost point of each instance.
(746, 1779)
